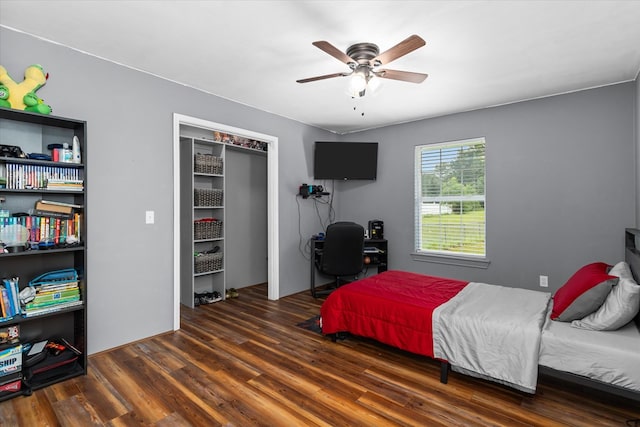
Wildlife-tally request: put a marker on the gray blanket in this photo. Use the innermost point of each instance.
(492, 332)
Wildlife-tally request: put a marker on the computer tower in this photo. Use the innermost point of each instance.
(376, 229)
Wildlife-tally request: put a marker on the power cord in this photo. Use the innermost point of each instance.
(303, 244)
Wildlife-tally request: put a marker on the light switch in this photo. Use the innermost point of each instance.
(150, 217)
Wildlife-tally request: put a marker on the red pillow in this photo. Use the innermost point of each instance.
(583, 293)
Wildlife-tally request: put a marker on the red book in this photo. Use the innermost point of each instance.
(56, 236)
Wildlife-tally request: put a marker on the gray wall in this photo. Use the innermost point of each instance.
(637, 130)
(245, 219)
(130, 136)
(560, 185)
(574, 153)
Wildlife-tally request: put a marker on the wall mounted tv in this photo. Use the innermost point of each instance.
(345, 160)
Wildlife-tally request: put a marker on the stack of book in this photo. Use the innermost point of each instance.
(54, 297)
(65, 184)
(9, 299)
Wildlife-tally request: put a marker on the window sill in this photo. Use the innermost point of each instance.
(459, 260)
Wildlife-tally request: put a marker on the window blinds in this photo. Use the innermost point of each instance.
(450, 197)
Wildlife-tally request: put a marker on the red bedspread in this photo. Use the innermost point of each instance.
(394, 307)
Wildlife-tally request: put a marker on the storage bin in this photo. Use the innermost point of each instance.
(207, 262)
(207, 163)
(207, 228)
(207, 197)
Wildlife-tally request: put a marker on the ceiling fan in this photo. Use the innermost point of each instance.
(364, 60)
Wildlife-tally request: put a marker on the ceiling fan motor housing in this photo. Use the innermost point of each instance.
(363, 52)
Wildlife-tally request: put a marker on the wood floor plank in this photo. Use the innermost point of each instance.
(244, 362)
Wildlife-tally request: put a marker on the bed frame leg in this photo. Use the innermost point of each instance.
(444, 372)
(333, 337)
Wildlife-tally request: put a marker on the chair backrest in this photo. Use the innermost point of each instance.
(343, 247)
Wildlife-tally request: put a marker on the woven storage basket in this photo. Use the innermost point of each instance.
(207, 163)
(207, 197)
(204, 263)
(208, 228)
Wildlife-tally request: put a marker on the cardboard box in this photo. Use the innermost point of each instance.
(11, 360)
(10, 384)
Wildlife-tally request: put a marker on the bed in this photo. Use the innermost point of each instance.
(502, 334)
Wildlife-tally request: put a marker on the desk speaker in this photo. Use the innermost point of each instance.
(376, 229)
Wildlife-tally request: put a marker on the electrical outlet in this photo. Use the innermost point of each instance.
(149, 217)
(544, 281)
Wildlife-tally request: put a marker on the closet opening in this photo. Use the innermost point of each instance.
(225, 177)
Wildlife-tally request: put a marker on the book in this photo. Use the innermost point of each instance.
(65, 184)
(16, 294)
(51, 309)
(7, 298)
(53, 209)
(62, 204)
(55, 295)
(3, 303)
(44, 209)
(51, 302)
(55, 287)
(50, 214)
(10, 306)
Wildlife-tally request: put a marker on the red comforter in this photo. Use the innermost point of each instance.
(394, 307)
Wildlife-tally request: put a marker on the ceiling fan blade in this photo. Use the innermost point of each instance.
(334, 51)
(409, 44)
(405, 76)
(326, 76)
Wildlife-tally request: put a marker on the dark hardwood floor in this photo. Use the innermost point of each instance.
(245, 362)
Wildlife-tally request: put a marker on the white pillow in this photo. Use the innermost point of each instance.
(619, 308)
(621, 269)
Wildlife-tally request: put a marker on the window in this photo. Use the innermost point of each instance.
(450, 198)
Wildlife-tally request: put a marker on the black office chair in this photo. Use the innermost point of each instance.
(342, 253)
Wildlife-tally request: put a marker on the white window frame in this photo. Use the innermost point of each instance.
(444, 256)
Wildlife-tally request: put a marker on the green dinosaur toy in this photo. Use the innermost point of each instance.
(22, 96)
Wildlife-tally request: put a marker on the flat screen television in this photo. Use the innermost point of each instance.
(345, 160)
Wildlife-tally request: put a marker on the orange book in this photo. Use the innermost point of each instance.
(43, 229)
(2, 307)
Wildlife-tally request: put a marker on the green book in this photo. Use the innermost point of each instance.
(33, 305)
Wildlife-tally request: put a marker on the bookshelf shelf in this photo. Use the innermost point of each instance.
(33, 133)
(20, 319)
(42, 252)
(207, 273)
(202, 201)
(40, 191)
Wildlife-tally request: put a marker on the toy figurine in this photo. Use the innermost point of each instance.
(22, 96)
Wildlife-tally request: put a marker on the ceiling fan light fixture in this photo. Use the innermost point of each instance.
(357, 84)
(374, 84)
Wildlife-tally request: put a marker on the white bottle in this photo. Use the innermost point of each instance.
(76, 150)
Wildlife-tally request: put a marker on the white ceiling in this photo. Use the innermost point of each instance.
(478, 53)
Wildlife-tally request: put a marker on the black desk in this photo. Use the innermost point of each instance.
(374, 249)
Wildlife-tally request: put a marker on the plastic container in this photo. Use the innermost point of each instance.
(76, 150)
(67, 154)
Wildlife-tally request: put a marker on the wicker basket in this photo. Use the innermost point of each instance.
(204, 263)
(207, 163)
(207, 228)
(207, 197)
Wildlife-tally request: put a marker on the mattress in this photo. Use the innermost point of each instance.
(612, 357)
(394, 307)
(493, 332)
